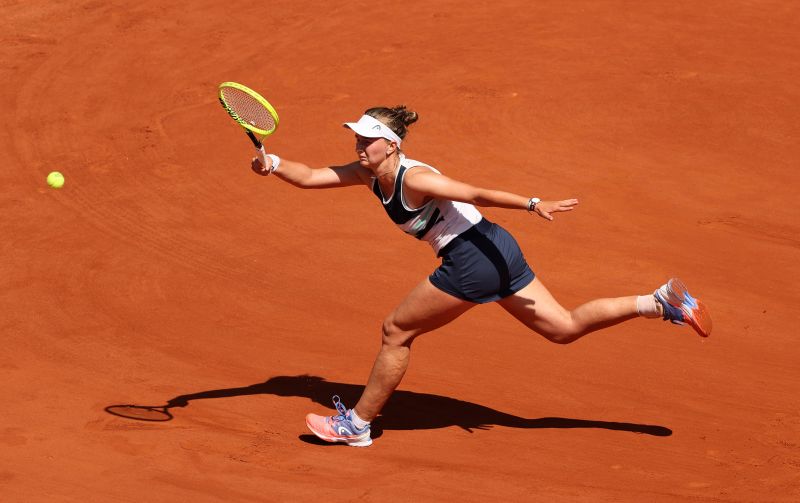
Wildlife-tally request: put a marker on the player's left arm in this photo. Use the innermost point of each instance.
(438, 186)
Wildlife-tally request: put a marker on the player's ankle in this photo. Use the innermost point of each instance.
(648, 306)
(357, 421)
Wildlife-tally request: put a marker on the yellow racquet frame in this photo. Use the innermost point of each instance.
(250, 127)
(260, 99)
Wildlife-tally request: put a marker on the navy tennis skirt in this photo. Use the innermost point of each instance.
(482, 264)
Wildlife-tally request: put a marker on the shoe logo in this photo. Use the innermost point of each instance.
(343, 431)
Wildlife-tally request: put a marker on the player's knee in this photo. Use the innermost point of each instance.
(562, 337)
(393, 335)
(564, 331)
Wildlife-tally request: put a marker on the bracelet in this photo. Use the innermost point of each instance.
(532, 202)
(276, 161)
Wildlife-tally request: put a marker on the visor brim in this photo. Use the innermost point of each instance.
(362, 130)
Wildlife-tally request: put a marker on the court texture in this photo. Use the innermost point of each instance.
(165, 273)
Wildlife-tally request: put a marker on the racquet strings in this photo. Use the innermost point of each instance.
(245, 109)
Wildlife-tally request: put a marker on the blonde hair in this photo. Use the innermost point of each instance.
(397, 119)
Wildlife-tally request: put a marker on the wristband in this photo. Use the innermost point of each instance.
(276, 161)
(532, 202)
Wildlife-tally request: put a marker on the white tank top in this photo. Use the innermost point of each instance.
(438, 221)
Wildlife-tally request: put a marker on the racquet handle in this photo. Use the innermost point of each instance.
(254, 139)
(262, 155)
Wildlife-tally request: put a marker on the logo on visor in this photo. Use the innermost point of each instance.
(377, 126)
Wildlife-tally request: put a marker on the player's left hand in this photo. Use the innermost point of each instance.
(545, 208)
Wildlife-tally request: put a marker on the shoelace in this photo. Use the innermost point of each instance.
(337, 402)
(673, 314)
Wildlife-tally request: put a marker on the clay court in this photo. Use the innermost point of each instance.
(165, 273)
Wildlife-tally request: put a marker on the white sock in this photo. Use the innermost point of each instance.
(647, 306)
(357, 421)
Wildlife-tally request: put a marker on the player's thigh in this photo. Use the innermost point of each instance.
(424, 309)
(536, 307)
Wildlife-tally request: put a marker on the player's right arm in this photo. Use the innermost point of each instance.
(305, 177)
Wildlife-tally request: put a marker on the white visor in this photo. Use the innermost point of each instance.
(370, 127)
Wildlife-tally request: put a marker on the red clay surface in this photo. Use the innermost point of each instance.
(166, 272)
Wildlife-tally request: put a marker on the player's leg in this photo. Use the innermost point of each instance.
(426, 308)
(538, 310)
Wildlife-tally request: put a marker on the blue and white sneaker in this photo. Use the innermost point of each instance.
(681, 308)
(339, 428)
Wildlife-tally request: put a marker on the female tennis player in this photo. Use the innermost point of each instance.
(481, 262)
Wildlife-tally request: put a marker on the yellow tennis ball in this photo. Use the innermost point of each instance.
(55, 180)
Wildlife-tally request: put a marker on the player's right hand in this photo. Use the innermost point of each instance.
(258, 167)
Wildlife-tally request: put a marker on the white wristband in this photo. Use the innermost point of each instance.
(276, 161)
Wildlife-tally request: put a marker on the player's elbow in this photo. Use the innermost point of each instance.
(480, 197)
(304, 179)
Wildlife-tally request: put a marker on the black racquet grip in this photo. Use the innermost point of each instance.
(253, 138)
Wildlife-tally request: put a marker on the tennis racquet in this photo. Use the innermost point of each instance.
(251, 111)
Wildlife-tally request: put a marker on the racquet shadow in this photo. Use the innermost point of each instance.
(408, 410)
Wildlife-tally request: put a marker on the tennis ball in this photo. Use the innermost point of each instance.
(55, 180)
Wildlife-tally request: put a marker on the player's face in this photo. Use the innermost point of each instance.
(371, 151)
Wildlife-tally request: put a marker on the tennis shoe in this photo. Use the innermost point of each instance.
(339, 428)
(681, 308)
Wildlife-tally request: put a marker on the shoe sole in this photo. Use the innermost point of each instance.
(352, 443)
(694, 310)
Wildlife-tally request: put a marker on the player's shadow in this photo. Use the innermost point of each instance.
(407, 410)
